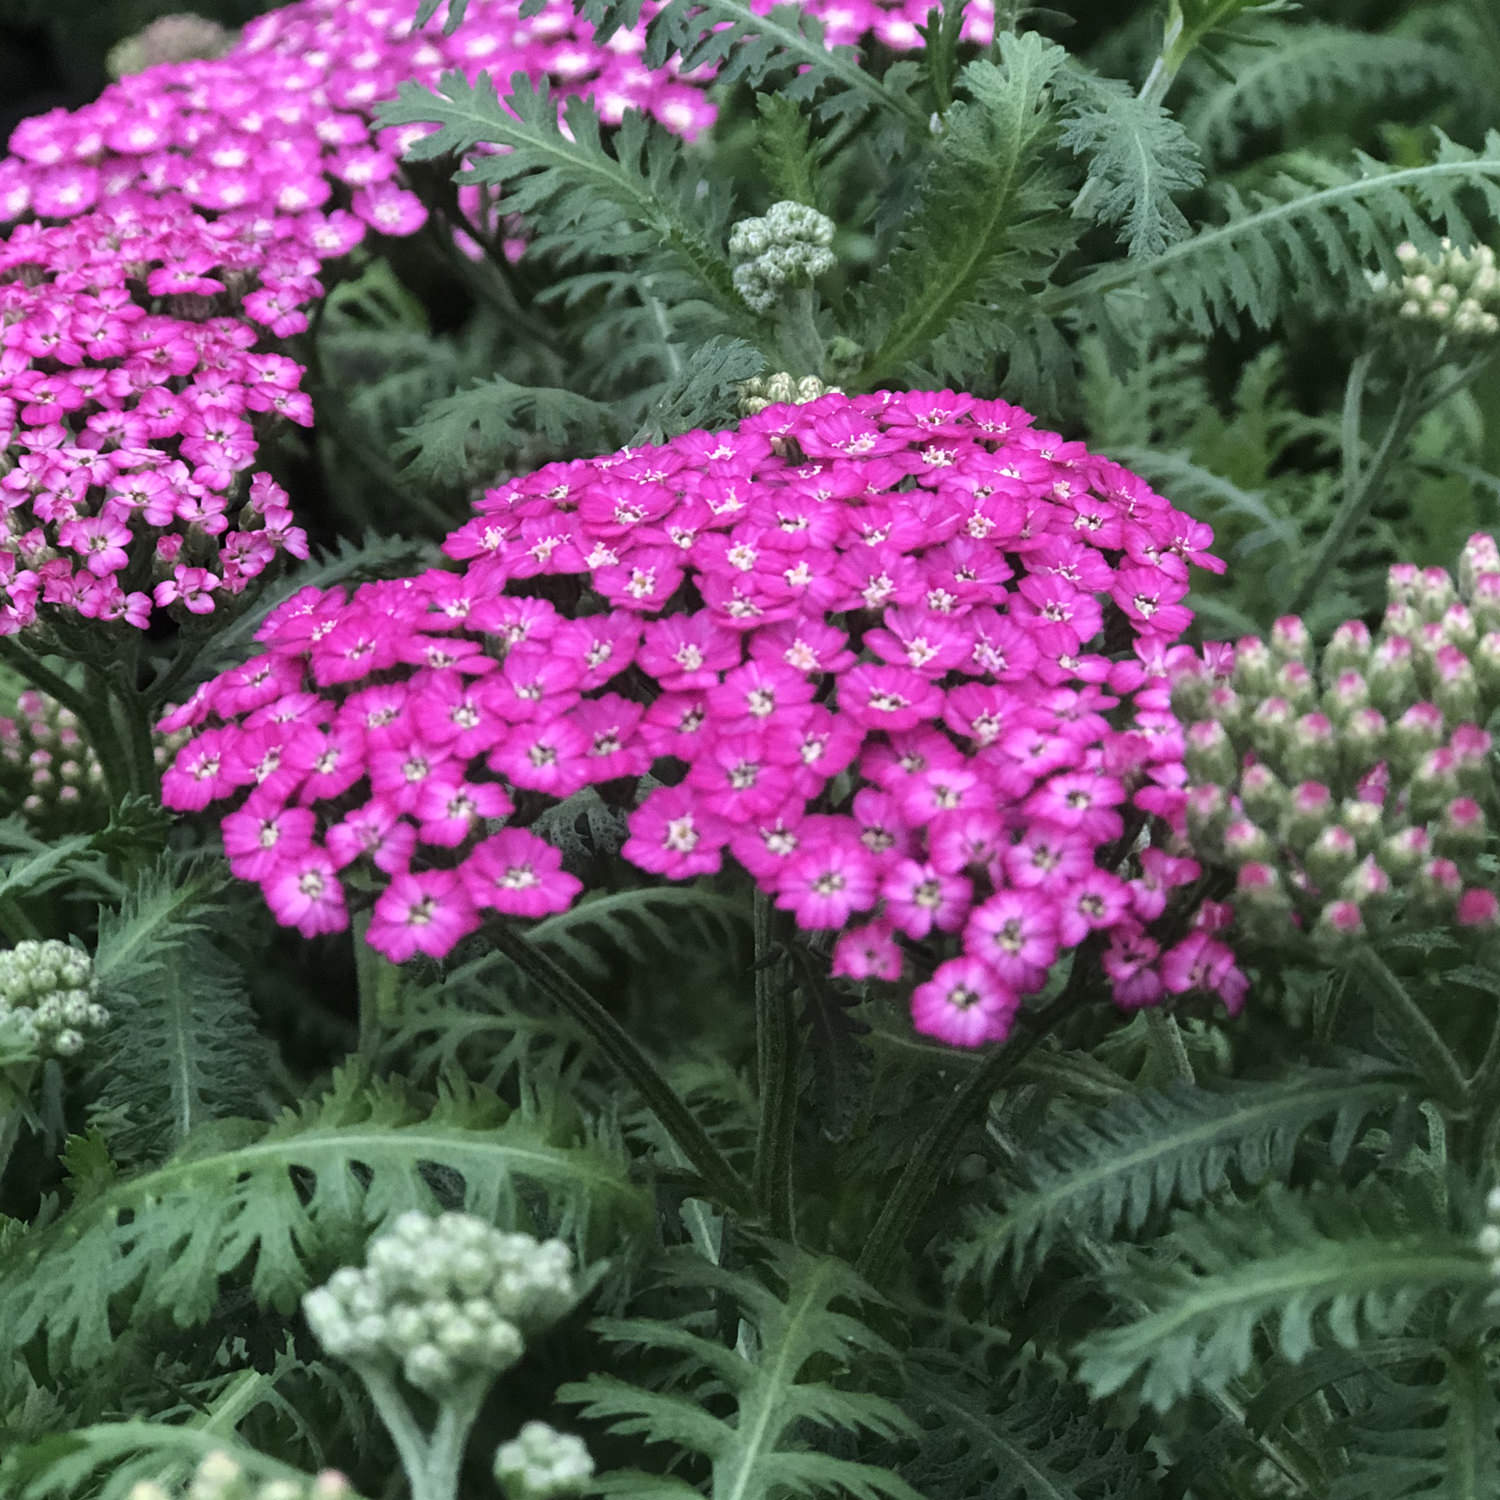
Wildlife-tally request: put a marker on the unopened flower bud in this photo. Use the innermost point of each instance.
(1270, 726)
(1402, 580)
(1400, 620)
(1309, 811)
(1456, 688)
(1208, 753)
(1364, 820)
(1331, 856)
(1487, 1241)
(1290, 640)
(1348, 694)
(1348, 649)
(1340, 925)
(1485, 601)
(1244, 842)
(1459, 627)
(1434, 593)
(1438, 883)
(1365, 883)
(1416, 733)
(1478, 907)
(1312, 748)
(1404, 852)
(1434, 782)
(1208, 813)
(1262, 794)
(1391, 675)
(541, 1463)
(1254, 667)
(1191, 686)
(1461, 831)
(1296, 684)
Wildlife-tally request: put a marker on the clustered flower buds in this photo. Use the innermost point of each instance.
(221, 1477)
(447, 1301)
(787, 247)
(1456, 294)
(47, 769)
(541, 1463)
(168, 39)
(780, 389)
(857, 644)
(1357, 790)
(47, 1004)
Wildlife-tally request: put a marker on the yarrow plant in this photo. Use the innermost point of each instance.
(726, 771)
(859, 641)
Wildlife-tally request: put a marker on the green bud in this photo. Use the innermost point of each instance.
(1339, 928)
(1331, 856)
(541, 1463)
(1290, 640)
(1309, 811)
(1348, 650)
(1392, 675)
(1297, 685)
(1208, 753)
(1312, 752)
(1404, 852)
(1270, 726)
(1461, 832)
(1263, 795)
(1365, 820)
(1415, 734)
(1348, 694)
(1254, 667)
(1244, 843)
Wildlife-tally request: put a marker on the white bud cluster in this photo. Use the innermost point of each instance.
(443, 1300)
(780, 390)
(1458, 293)
(221, 1477)
(788, 245)
(1487, 1241)
(47, 1004)
(541, 1463)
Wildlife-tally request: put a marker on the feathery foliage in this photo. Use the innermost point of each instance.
(276, 1204)
(805, 1313)
(1299, 68)
(1127, 1162)
(1303, 1269)
(1310, 239)
(183, 1047)
(942, 296)
(1138, 156)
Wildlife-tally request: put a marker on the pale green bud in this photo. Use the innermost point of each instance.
(540, 1463)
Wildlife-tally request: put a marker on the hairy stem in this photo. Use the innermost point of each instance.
(450, 1437)
(926, 1167)
(719, 1176)
(411, 1446)
(1363, 486)
(1428, 1050)
(776, 1060)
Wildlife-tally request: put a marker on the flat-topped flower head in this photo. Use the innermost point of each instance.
(895, 756)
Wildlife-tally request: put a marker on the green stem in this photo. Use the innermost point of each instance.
(411, 1446)
(1362, 487)
(776, 1058)
(450, 1437)
(378, 984)
(1428, 1050)
(927, 1165)
(801, 343)
(1482, 1137)
(719, 1177)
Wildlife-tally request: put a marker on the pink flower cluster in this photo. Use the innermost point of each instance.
(854, 644)
(167, 236)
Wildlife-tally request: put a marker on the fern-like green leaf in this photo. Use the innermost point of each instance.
(1146, 1151)
(182, 1046)
(700, 392)
(1435, 1441)
(472, 432)
(1030, 1439)
(1137, 157)
(1302, 1269)
(1310, 239)
(557, 171)
(777, 1381)
(945, 299)
(1307, 66)
(283, 1204)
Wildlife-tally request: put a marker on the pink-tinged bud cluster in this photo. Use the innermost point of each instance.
(165, 238)
(49, 772)
(47, 769)
(855, 645)
(1356, 793)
